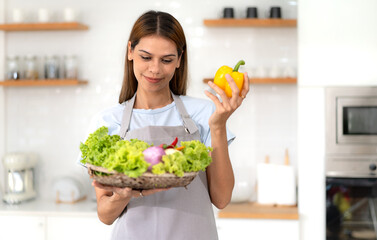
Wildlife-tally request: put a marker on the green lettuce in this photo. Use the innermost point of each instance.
(126, 156)
(113, 153)
(98, 146)
(195, 158)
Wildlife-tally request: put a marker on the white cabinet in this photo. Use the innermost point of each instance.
(18, 227)
(251, 229)
(77, 228)
(22, 227)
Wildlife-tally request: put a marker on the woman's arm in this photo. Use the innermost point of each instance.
(111, 201)
(220, 172)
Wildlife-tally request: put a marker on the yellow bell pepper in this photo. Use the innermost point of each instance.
(221, 81)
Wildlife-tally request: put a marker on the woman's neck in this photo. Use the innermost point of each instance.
(150, 100)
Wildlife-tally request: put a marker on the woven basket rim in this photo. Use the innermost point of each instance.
(146, 174)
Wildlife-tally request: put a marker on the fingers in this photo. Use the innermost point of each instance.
(233, 86)
(121, 191)
(127, 192)
(220, 92)
(246, 85)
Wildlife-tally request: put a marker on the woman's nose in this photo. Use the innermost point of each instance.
(154, 66)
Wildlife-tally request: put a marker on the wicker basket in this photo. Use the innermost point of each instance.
(145, 181)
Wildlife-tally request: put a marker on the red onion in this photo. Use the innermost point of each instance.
(153, 155)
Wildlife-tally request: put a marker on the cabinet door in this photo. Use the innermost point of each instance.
(22, 227)
(77, 228)
(266, 229)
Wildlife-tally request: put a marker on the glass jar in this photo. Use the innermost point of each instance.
(31, 67)
(51, 67)
(70, 67)
(13, 68)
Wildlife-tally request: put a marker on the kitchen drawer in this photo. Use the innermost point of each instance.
(77, 228)
(266, 229)
(22, 227)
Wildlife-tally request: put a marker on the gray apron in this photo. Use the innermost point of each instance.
(177, 213)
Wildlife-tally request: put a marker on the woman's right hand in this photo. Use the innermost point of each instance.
(127, 192)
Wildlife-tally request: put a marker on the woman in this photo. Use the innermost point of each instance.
(153, 107)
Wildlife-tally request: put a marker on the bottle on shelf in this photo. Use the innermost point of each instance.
(31, 67)
(70, 67)
(13, 71)
(51, 67)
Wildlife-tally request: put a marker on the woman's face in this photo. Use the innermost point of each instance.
(155, 59)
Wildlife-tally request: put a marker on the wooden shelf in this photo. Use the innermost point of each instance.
(246, 22)
(265, 80)
(42, 82)
(258, 211)
(11, 27)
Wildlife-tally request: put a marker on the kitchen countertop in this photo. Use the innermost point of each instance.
(257, 211)
(88, 208)
(47, 207)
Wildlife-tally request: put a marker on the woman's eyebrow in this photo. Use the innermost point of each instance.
(168, 55)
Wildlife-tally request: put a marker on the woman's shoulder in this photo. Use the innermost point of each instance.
(110, 117)
(195, 105)
(113, 110)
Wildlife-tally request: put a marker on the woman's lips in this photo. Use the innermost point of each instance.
(153, 80)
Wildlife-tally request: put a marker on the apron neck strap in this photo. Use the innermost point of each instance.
(188, 123)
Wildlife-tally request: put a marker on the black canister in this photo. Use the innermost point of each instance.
(275, 12)
(252, 12)
(228, 12)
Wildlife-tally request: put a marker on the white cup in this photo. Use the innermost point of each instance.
(43, 15)
(17, 15)
(289, 72)
(274, 72)
(260, 72)
(69, 15)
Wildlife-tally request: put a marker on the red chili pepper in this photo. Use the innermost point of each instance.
(172, 145)
(174, 142)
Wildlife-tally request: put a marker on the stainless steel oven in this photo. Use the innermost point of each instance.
(351, 163)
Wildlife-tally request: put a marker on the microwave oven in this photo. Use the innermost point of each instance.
(351, 131)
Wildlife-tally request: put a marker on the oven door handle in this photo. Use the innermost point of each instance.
(373, 213)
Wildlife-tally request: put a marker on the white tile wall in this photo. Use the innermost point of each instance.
(52, 120)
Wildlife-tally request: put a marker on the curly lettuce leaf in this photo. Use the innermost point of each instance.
(197, 155)
(195, 158)
(128, 158)
(98, 146)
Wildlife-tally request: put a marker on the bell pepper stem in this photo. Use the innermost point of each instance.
(241, 62)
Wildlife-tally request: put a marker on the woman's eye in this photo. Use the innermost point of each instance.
(145, 58)
(167, 60)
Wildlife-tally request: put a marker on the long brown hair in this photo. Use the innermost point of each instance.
(165, 25)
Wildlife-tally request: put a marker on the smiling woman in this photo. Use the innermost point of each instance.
(161, 25)
(155, 60)
(153, 108)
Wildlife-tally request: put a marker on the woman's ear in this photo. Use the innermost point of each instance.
(129, 52)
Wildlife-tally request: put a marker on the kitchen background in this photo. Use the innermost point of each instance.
(334, 44)
(52, 121)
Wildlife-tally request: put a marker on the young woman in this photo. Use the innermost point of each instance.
(153, 107)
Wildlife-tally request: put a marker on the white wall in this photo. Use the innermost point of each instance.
(337, 46)
(337, 42)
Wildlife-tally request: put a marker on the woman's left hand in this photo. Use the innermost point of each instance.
(227, 106)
